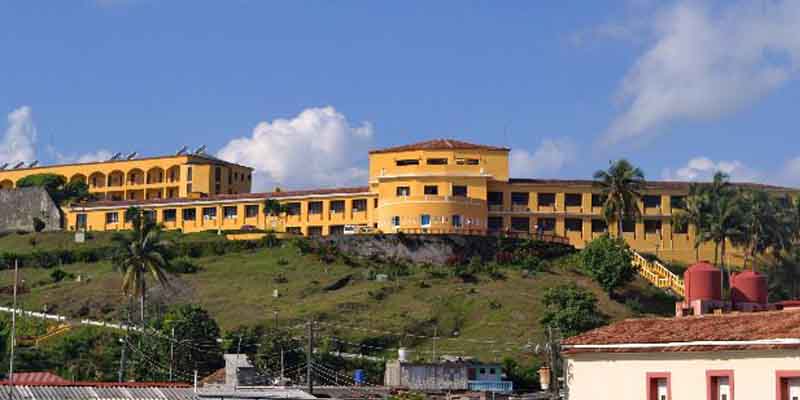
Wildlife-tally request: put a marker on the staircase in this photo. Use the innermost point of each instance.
(657, 274)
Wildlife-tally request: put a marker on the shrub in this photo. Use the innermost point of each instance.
(58, 275)
(182, 266)
(608, 261)
(634, 305)
(38, 224)
(533, 265)
(571, 309)
(280, 279)
(282, 262)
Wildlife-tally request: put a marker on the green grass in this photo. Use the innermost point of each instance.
(28, 242)
(237, 289)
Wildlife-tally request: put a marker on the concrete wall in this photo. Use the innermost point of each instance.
(18, 208)
(624, 376)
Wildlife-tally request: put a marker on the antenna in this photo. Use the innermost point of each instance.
(33, 163)
(115, 157)
(182, 150)
(201, 150)
(19, 165)
(131, 156)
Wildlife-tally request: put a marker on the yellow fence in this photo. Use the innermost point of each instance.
(657, 274)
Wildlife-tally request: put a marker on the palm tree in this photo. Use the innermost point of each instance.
(140, 252)
(621, 186)
(766, 224)
(273, 208)
(724, 222)
(693, 213)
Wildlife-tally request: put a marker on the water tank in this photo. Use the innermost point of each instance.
(402, 354)
(749, 287)
(703, 281)
(358, 377)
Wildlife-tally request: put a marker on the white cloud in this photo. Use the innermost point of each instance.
(99, 155)
(791, 172)
(705, 62)
(703, 169)
(318, 147)
(19, 141)
(549, 158)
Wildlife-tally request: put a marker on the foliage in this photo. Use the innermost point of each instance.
(59, 275)
(273, 208)
(57, 187)
(524, 378)
(608, 261)
(621, 187)
(38, 224)
(182, 265)
(571, 309)
(266, 357)
(195, 339)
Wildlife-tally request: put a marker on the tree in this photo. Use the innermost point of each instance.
(57, 187)
(621, 187)
(267, 357)
(138, 253)
(273, 208)
(571, 309)
(784, 277)
(195, 339)
(766, 225)
(693, 212)
(723, 222)
(608, 261)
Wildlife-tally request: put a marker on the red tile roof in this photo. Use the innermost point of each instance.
(654, 185)
(439, 144)
(25, 378)
(222, 197)
(683, 334)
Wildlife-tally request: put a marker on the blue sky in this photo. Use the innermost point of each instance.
(301, 89)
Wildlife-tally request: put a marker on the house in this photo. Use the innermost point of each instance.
(743, 348)
(447, 375)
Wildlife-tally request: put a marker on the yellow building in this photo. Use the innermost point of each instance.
(438, 186)
(178, 176)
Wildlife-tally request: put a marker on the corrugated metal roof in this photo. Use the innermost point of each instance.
(102, 392)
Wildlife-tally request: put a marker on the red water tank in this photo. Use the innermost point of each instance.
(703, 281)
(749, 287)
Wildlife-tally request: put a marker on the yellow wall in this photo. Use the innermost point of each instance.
(146, 178)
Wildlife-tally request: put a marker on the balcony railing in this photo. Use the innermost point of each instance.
(436, 198)
(491, 386)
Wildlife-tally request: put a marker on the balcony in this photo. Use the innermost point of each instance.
(437, 199)
(491, 386)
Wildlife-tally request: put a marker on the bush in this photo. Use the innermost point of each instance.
(59, 275)
(533, 265)
(634, 305)
(571, 309)
(608, 261)
(282, 262)
(182, 266)
(38, 224)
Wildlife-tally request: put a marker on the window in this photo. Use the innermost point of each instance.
(598, 200)
(315, 207)
(658, 386)
(437, 161)
(359, 205)
(189, 174)
(483, 371)
(314, 231)
(149, 215)
(336, 230)
(651, 201)
(547, 224)
(467, 161)
(788, 383)
(337, 206)
(375, 203)
(217, 174)
(520, 198)
(521, 224)
(169, 215)
(495, 223)
(573, 199)
(188, 188)
(425, 220)
(229, 212)
(209, 213)
(677, 202)
(573, 225)
(396, 221)
(230, 176)
(189, 214)
(456, 219)
(431, 190)
(460, 190)
(628, 225)
(546, 199)
(292, 208)
(491, 371)
(719, 384)
(495, 198)
(680, 229)
(112, 217)
(599, 226)
(294, 230)
(401, 163)
(652, 227)
(80, 221)
(403, 191)
(251, 210)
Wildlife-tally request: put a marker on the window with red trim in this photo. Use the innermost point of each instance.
(719, 384)
(659, 386)
(787, 385)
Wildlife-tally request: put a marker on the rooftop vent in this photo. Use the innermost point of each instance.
(19, 165)
(33, 164)
(182, 151)
(201, 150)
(131, 156)
(115, 157)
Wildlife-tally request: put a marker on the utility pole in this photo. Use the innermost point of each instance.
(435, 336)
(309, 372)
(172, 353)
(13, 333)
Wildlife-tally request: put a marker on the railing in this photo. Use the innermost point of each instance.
(657, 274)
(440, 231)
(491, 386)
(437, 198)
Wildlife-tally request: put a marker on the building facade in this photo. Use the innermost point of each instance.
(438, 186)
(178, 176)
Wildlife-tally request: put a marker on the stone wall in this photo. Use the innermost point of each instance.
(18, 208)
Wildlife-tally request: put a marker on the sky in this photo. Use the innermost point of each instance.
(301, 90)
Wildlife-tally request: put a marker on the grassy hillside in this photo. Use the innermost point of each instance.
(238, 290)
